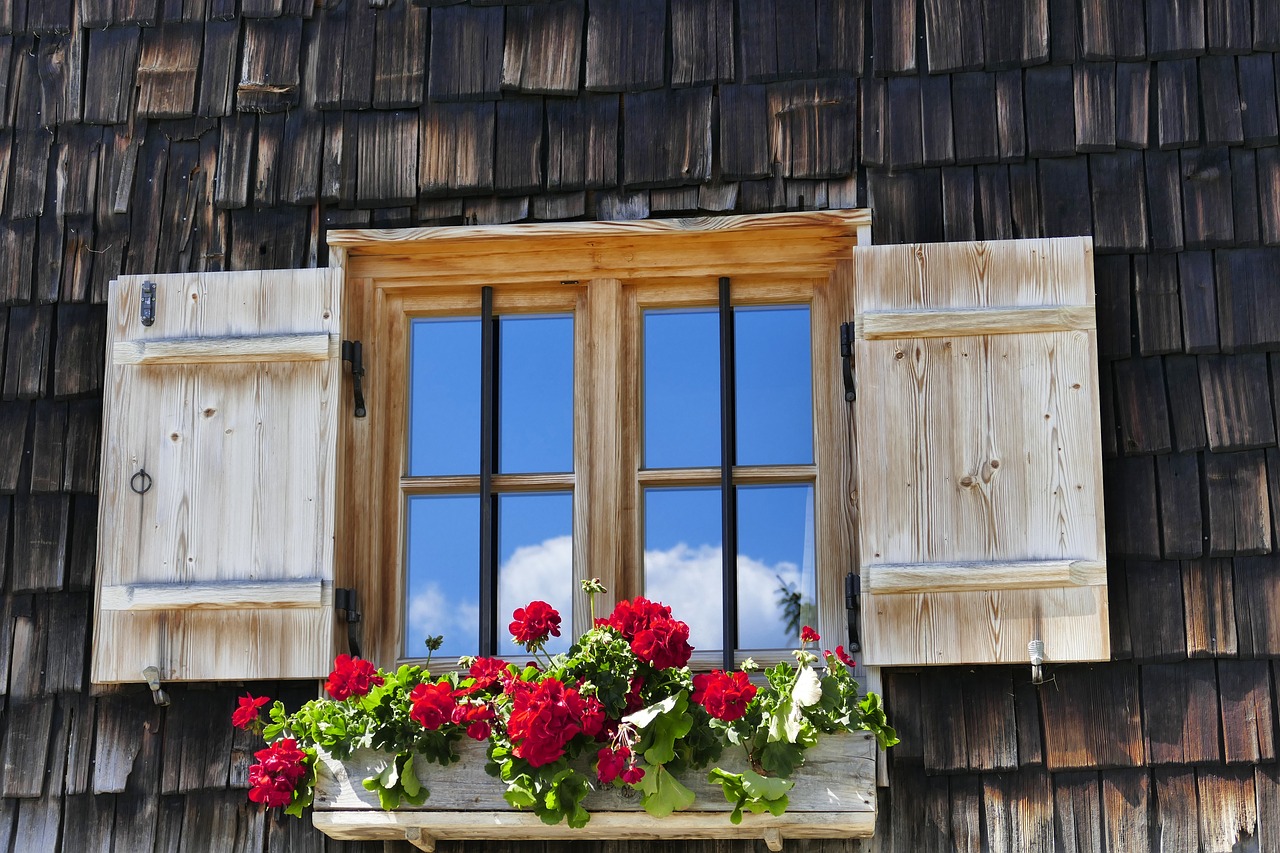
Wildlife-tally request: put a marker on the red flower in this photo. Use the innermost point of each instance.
(617, 764)
(476, 717)
(486, 672)
(665, 643)
(546, 716)
(534, 623)
(433, 705)
(247, 714)
(629, 618)
(276, 775)
(808, 635)
(351, 677)
(844, 657)
(724, 695)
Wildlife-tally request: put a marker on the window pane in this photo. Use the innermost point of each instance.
(681, 388)
(682, 559)
(774, 390)
(443, 574)
(777, 583)
(444, 398)
(535, 411)
(535, 553)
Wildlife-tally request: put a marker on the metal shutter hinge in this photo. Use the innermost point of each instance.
(348, 604)
(148, 303)
(353, 352)
(846, 358)
(853, 607)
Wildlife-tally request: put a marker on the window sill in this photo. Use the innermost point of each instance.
(834, 797)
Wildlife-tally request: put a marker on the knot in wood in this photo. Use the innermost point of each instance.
(967, 482)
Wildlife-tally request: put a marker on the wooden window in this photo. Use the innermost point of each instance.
(962, 484)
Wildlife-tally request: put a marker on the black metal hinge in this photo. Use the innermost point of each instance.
(353, 352)
(346, 603)
(853, 605)
(148, 310)
(846, 357)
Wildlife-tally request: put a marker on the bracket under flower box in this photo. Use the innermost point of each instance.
(834, 797)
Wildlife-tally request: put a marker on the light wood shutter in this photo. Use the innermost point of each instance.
(223, 568)
(979, 465)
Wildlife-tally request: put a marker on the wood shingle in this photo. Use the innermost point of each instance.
(542, 53)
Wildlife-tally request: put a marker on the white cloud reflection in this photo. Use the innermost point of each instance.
(685, 578)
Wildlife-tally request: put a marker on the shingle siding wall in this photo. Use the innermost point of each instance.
(173, 135)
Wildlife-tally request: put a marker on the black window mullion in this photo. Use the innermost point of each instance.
(488, 462)
(728, 497)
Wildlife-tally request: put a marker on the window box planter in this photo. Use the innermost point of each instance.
(834, 797)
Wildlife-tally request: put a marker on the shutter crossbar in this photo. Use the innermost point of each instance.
(963, 577)
(230, 349)
(218, 595)
(956, 322)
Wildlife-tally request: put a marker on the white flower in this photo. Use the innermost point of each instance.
(808, 688)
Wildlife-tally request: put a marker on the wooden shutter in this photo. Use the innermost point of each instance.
(978, 458)
(223, 568)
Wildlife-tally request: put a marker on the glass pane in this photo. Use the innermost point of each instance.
(777, 583)
(774, 390)
(535, 410)
(444, 397)
(443, 575)
(681, 388)
(682, 559)
(535, 554)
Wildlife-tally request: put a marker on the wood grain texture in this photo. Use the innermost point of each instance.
(227, 595)
(885, 325)
(232, 349)
(920, 578)
(236, 495)
(981, 450)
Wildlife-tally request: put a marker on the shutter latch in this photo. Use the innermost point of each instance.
(345, 601)
(853, 606)
(846, 357)
(152, 676)
(148, 303)
(352, 351)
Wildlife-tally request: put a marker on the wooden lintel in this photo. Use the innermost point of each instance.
(318, 346)
(955, 322)
(229, 595)
(960, 577)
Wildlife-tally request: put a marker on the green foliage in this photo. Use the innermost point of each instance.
(663, 793)
(749, 790)
(398, 783)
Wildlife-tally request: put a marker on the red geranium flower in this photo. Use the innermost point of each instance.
(546, 716)
(477, 717)
(844, 657)
(433, 705)
(534, 622)
(486, 672)
(665, 643)
(629, 618)
(724, 695)
(351, 677)
(617, 764)
(276, 775)
(247, 714)
(808, 635)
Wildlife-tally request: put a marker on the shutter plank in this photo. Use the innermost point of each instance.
(979, 467)
(224, 568)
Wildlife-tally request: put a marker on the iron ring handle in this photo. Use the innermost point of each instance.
(140, 482)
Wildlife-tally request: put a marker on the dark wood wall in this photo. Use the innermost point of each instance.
(170, 135)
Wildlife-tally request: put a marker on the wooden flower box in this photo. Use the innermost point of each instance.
(834, 797)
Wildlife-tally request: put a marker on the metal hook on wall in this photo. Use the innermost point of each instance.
(1036, 649)
(152, 675)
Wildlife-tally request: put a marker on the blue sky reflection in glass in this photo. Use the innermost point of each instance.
(777, 581)
(774, 389)
(535, 431)
(682, 558)
(443, 551)
(681, 388)
(535, 561)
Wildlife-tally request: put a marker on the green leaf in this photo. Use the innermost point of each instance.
(409, 779)
(765, 787)
(663, 793)
(781, 759)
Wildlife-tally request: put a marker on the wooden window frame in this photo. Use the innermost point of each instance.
(606, 274)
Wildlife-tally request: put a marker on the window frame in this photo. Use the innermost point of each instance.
(606, 274)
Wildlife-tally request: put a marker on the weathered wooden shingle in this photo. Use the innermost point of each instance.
(269, 66)
(1018, 810)
(1064, 197)
(1141, 408)
(387, 158)
(168, 62)
(1112, 30)
(1016, 32)
(1206, 198)
(626, 45)
(744, 132)
(40, 535)
(1164, 198)
(1237, 415)
(953, 36)
(1048, 90)
(904, 140)
(1181, 720)
(218, 71)
(1119, 201)
(1257, 112)
(1208, 604)
(1156, 300)
(977, 733)
(582, 143)
(1256, 582)
(1132, 521)
(1228, 26)
(1239, 510)
(1095, 106)
(543, 47)
(683, 153)
(1175, 28)
(814, 129)
(1181, 516)
(400, 61)
(518, 158)
(1178, 96)
(1248, 721)
(1133, 84)
(1157, 631)
(47, 445)
(893, 36)
(973, 102)
(1248, 304)
(1245, 208)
